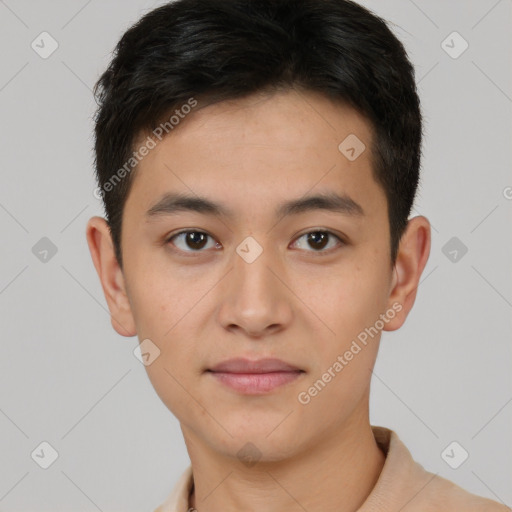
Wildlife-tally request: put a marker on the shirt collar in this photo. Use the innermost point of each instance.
(400, 480)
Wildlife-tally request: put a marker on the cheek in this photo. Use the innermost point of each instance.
(350, 305)
(162, 317)
(348, 300)
(159, 297)
(171, 387)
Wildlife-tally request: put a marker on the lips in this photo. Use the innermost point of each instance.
(242, 365)
(254, 377)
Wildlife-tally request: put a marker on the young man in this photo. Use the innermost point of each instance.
(258, 160)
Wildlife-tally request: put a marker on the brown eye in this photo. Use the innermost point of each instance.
(190, 241)
(318, 240)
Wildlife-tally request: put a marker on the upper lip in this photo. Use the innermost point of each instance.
(242, 365)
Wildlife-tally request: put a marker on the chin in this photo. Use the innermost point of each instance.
(257, 441)
(251, 450)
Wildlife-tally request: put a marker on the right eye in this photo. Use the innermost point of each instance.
(193, 239)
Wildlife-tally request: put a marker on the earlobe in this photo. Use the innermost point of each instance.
(412, 257)
(111, 276)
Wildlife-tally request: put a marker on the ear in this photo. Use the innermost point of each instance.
(111, 276)
(411, 259)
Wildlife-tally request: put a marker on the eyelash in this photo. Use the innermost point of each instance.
(316, 253)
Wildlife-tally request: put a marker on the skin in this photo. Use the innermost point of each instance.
(290, 303)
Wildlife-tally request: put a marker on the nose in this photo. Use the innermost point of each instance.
(254, 298)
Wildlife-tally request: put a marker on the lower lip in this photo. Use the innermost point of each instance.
(256, 383)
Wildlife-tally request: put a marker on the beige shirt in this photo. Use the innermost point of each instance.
(403, 485)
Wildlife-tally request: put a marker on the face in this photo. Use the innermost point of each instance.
(257, 280)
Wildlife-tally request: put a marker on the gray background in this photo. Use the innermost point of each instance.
(67, 378)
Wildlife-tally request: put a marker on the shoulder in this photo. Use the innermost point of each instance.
(442, 494)
(405, 484)
(179, 496)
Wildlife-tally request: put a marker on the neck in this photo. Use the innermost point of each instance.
(335, 475)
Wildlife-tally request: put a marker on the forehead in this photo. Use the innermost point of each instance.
(258, 151)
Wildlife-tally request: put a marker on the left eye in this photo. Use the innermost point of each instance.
(197, 240)
(319, 239)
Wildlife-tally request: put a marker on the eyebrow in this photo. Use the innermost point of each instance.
(172, 203)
